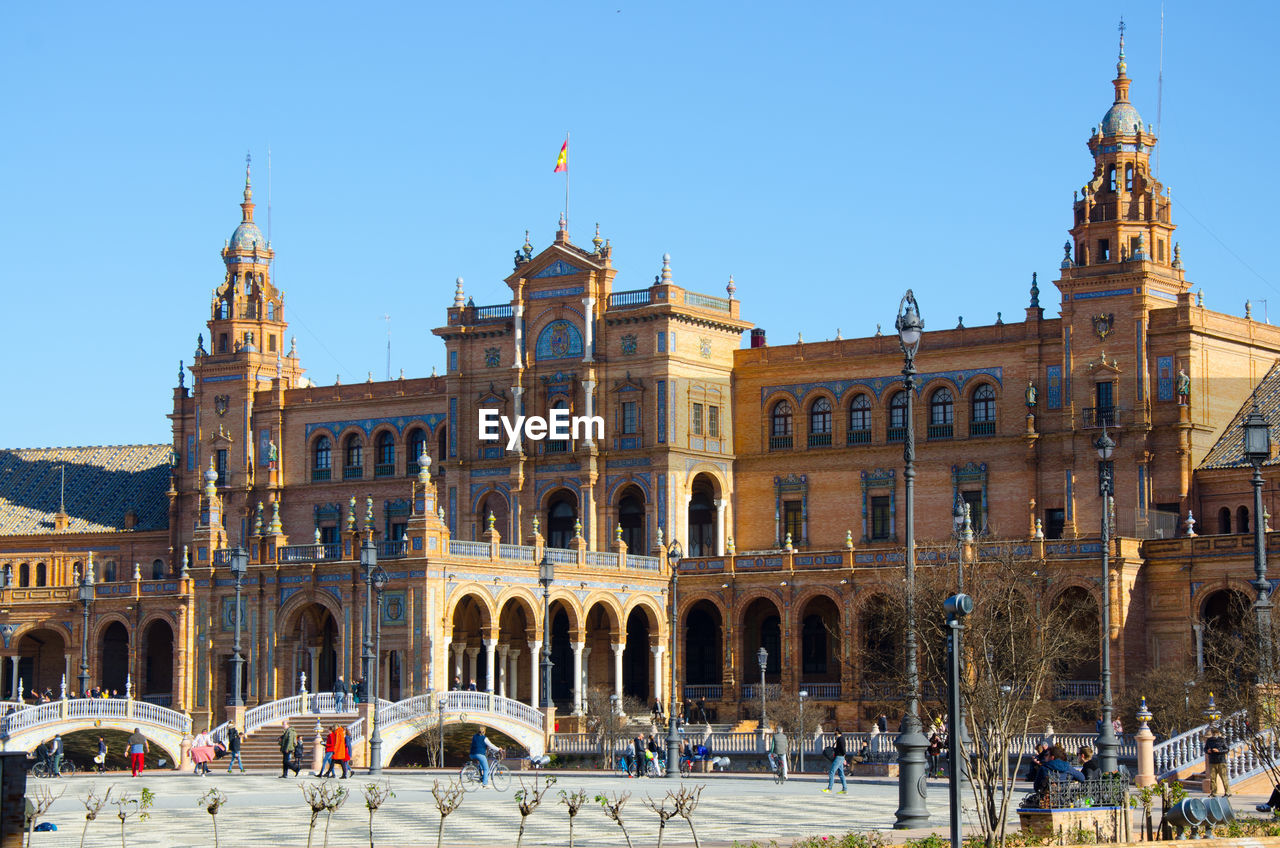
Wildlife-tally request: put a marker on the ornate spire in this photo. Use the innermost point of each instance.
(459, 300)
(1035, 292)
(597, 241)
(731, 288)
(1121, 82)
(246, 208)
(666, 269)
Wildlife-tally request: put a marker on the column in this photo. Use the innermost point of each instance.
(683, 524)
(584, 679)
(589, 401)
(657, 651)
(458, 648)
(13, 677)
(513, 674)
(577, 676)
(617, 670)
(490, 651)
(472, 666)
(535, 683)
(518, 347)
(502, 671)
(720, 505)
(1199, 631)
(588, 328)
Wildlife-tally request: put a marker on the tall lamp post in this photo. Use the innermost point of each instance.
(762, 656)
(379, 580)
(546, 574)
(1107, 742)
(1257, 450)
(911, 743)
(239, 567)
(86, 598)
(368, 561)
(957, 607)
(804, 693)
(674, 554)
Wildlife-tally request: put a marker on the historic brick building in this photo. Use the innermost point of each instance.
(777, 467)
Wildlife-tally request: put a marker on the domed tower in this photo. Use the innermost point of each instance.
(1122, 213)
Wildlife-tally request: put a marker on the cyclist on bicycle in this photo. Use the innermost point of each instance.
(480, 748)
(778, 746)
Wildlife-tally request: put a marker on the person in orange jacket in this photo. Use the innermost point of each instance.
(341, 753)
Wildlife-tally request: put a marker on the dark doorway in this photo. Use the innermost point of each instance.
(115, 657)
(157, 683)
(703, 658)
(637, 658)
(562, 515)
(631, 519)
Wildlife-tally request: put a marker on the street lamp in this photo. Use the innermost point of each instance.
(911, 743)
(762, 656)
(86, 598)
(239, 567)
(379, 580)
(804, 693)
(368, 561)
(1257, 450)
(957, 607)
(674, 554)
(546, 574)
(612, 727)
(1107, 742)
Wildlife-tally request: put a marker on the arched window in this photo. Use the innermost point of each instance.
(386, 464)
(24, 575)
(322, 459)
(1111, 177)
(109, 571)
(1128, 178)
(780, 426)
(942, 410)
(1242, 520)
(820, 423)
(898, 417)
(561, 520)
(224, 311)
(271, 311)
(813, 645)
(417, 443)
(157, 569)
(1224, 520)
(354, 454)
(631, 520)
(982, 419)
(42, 574)
(860, 420)
(558, 445)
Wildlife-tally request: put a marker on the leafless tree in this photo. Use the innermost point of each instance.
(212, 801)
(613, 809)
(686, 801)
(573, 801)
(41, 798)
(375, 795)
(93, 804)
(447, 800)
(604, 721)
(528, 797)
(660, 808)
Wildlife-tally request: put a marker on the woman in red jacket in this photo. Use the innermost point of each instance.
(326, 768)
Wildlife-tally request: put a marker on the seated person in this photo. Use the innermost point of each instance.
(1057, 766)
(1089, 765)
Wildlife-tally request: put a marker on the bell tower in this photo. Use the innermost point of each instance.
(1122, 214)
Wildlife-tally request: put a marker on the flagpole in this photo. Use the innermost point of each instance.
(566, 181)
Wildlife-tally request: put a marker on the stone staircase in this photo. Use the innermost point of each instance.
(261, 750)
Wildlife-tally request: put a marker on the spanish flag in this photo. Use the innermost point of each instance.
(562, 161)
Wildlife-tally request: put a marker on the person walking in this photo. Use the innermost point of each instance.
(778, 749)
(202, 752)
(233, 748)
(139, 747)
(101, 758)
(341, 752)
(935, 754)
(288, 740)
(357, 691)
(326, 767)
(1215, 757)
(837, 764)
(340, 696)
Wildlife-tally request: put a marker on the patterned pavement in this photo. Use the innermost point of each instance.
(266, 811)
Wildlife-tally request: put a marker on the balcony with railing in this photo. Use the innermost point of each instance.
(322, 552)
(385, 469)
(822, 691)
(981, 428)
(625, 299)
(1100, 416)
(896, 434)
(320, 474)
(941, 431)
(859, 437)
(393, 549)
(497, 312)
(352, 472)
(779, 443)
(819, 440)
(556, 446)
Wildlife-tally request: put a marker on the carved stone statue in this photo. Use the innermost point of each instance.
(1032, 394)
(1183, 384)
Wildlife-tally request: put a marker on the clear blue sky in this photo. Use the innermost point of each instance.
(828, 156)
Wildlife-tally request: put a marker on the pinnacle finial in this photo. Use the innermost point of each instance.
(1120, 63)
(597, 241)
(1035, 292)
(248, 184)
(666, 268)
(731, 288)
(459, 300)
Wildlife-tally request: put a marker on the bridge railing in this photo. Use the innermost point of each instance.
(1187, 749)
(26, 718)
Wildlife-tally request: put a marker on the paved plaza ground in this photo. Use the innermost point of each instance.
(264, 810)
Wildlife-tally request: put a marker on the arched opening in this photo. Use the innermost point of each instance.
(561, 658)
(442, 442)
(42, 661)
(42, 574)
(558, 445)
(898, 417)
(631, 520)
(1079, 611)
(819, 644)
(157, 667)
(859, 420)
(1242, 519)
(703, 532)
(820, 423)
(109, 571)
(353, 468)
(493, 503)
(603, 630)
(417, 443)
(24, 575)
(314, 648)
(1224, 520)
(1227, 646)
(321, 459)
(780, 432)
(761, 628)
(881, 648)
(385, 464)
(515, 674)
(114, 667)
(157, 569)
(1223, 614)
(941, 414)
(982, 418)
(562, 516)
(637, 659)
(703, 658)
(471, 626)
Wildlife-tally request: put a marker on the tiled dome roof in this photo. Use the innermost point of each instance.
(247, 236)
(1121, 119)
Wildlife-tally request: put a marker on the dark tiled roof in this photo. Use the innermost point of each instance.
(103, 483)
(1229, 450)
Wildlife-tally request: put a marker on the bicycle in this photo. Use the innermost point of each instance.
(775, 765)
(622, 767)
(499, 776)
(44, 769)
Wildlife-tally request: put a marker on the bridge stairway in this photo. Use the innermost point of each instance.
(261, 750)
